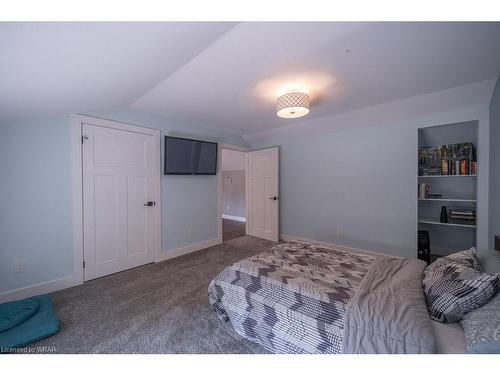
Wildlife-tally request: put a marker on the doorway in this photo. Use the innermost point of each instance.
(233, 173)
(248, 193)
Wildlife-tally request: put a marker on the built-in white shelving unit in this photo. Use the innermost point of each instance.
(458, 191)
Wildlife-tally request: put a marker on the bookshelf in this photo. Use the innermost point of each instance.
(455, 191)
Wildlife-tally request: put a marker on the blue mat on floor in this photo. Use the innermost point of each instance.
(43, 323)
(16, 312)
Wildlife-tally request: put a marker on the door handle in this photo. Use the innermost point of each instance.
(150, 204)
(274, 198)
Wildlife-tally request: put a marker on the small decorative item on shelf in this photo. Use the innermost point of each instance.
(444, 215)
(423, 191)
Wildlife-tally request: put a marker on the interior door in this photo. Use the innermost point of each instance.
(263, 198)
(118, 183)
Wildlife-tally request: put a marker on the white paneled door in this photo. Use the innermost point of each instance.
(263, 199)
(118, 183)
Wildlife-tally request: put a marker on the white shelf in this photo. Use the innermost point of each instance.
(448, 175)
(448, 200)
(436, 222)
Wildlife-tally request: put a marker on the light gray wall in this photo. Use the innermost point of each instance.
(35, 201)
(357, 171)
(495, 164)
(36, 196)
(491, 260)
(233, 194)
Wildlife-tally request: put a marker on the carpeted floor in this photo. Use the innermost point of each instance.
(157, 308)
(232, 229)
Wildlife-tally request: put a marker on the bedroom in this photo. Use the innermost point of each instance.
(360, 144)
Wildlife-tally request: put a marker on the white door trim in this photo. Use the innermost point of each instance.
(219, 184)
(76, 124)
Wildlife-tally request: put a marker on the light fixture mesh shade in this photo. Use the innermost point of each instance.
(292, 99)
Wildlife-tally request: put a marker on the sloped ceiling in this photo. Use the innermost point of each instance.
(61, 68)
(226, 75)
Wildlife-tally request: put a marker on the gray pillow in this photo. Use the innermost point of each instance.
(453, 286)
(482, 328)
(489, 260)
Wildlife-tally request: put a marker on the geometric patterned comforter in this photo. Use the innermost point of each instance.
(292, 298)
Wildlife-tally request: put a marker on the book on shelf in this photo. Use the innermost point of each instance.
(462, 214)
(450, 159)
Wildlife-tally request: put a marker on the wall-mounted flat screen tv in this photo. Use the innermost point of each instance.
(190, 157)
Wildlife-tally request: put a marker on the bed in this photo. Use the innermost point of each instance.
(304, 298)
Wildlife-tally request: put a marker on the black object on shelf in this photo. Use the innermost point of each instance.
(444, 214)
(424, 246)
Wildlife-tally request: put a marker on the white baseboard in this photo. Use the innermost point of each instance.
(287, 237)
(169, 254)
(236, 218)
(41, 288)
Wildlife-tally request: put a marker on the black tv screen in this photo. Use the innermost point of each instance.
(191, 157)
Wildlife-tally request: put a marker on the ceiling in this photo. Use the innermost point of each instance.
(227, 75)
(60, 68)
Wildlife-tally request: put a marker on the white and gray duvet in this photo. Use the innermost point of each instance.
(303, 298)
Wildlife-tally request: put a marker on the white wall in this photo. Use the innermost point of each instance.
(232, 160)
(233, 194)
(495, 164)
(36, 196)
(490, 260)
(358, 170)
(35, 201)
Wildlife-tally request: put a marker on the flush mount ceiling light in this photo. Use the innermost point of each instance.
(292, 105)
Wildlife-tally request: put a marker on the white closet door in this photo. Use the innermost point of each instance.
(263, 199)
(118, 183)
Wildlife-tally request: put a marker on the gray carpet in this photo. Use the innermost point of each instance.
(157, 308)
(232, 229)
